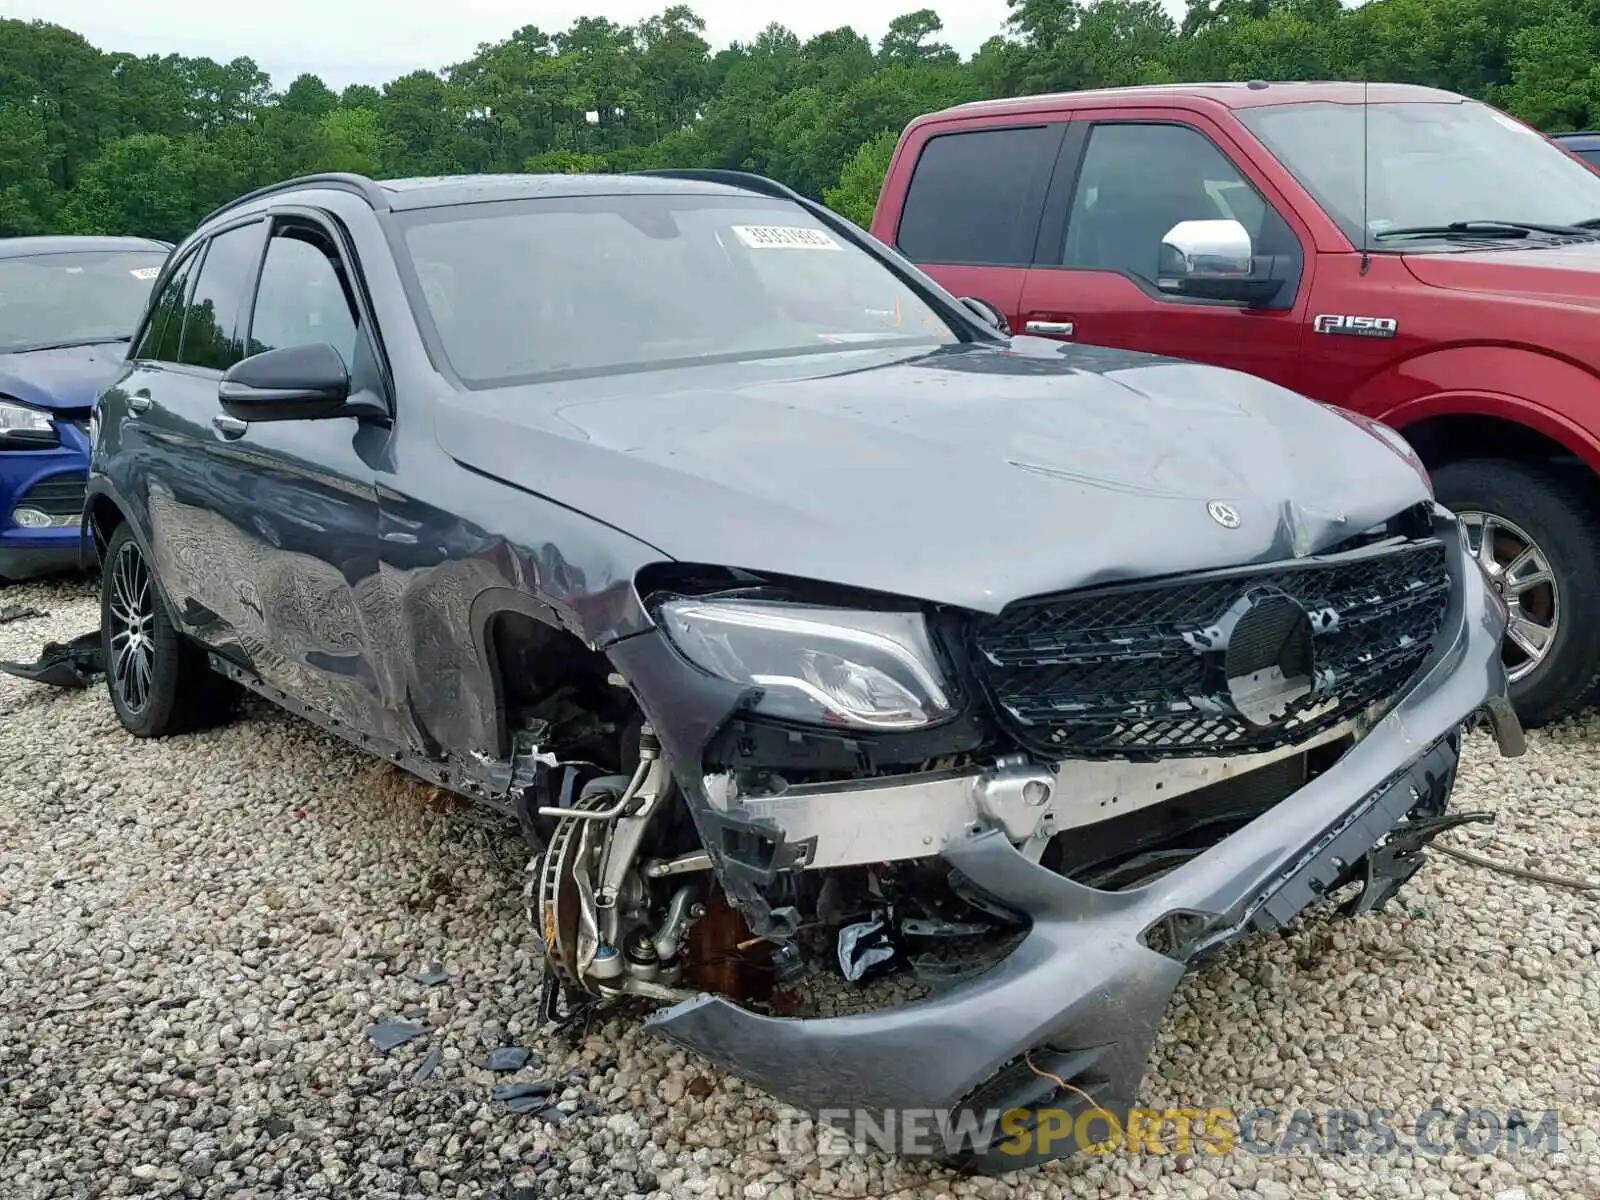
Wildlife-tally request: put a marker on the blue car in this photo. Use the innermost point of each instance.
(67, 308)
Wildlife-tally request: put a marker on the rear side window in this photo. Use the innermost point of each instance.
(974, 197)
(162, 335)
(213, 336)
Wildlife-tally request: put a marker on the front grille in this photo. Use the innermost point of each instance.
(58, 496)
(1143, 670)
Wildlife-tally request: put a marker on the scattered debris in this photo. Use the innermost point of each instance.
(527, 1104)
(506, 1092)
(429, 1064)
(508, 1058)
(433, 975)
(388, 1034)
(19, 612)
(863, 946)
(73, 664)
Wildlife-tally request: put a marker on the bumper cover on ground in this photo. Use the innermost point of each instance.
(1084, 993)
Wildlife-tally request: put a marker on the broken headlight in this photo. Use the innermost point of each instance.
(821, 666)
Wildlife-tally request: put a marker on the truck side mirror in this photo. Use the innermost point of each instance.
(1215, 260)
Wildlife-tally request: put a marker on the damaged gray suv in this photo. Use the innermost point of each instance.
(816, 631)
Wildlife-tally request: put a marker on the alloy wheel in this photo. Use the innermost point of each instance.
(133, 648)
(1519, 571)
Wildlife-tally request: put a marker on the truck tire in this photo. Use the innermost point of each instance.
(158, 680)
(1544, 553)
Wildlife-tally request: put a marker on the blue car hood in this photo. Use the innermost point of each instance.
(67, 378)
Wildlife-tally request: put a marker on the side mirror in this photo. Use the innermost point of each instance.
(988, 314)
(1215, 260)
(296, 383)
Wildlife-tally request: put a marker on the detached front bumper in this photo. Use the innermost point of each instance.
(1082, 996)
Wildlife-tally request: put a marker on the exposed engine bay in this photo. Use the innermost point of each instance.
(622, 882)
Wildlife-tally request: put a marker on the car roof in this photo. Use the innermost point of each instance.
(433, 191)
(1253, 94)
(437, 191)
(23, 247)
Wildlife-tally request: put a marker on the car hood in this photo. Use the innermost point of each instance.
(969, 476)
(69, 377)
(1569, 274)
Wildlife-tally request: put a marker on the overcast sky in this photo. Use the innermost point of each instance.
(373, 41)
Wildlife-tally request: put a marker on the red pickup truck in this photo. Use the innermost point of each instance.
(1406, 253)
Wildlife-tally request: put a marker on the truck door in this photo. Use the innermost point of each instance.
(1126, 179)
(968, 205)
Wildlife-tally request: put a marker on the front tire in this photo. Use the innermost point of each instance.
(1538, 537)
(158, 681)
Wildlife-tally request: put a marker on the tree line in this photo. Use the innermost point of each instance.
(102, 141)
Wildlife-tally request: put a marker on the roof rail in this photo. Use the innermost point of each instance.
(748, 180)
(342, 181)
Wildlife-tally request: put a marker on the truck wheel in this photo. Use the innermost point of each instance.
(1538, 537)
(158, 680)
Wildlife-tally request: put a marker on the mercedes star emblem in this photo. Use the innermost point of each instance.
(1223, 514)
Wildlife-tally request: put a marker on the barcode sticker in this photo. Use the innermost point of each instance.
(784, 237)
(145, 272)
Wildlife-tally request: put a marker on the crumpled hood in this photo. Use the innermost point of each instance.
(1570, 274)
(67, 378)
(971, 476)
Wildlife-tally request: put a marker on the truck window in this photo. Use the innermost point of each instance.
(972, 196)
(1139, 180)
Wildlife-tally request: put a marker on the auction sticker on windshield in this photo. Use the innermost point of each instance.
(784, 237)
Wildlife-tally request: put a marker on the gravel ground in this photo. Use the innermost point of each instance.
(195, 937)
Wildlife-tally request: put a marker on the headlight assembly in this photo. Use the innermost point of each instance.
(820, 666)
(24, 428)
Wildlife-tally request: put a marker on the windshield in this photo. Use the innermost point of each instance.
(1431, 164)
(73, 298)
(593, 284)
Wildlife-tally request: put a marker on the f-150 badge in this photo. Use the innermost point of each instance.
(1375, 327)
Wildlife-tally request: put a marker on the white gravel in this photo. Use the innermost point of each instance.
(196, 935)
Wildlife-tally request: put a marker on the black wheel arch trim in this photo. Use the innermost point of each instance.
(90, 535)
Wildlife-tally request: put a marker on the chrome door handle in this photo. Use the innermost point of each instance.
(1058, 328)
(229, 427)
(140, 401)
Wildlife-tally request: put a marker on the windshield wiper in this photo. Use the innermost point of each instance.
(1491, 229)
(93, 341)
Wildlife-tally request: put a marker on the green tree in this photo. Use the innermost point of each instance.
(352, 139)
(143, 184)
(856, 195)
(28, 200)
(1556, 74)
(907, 41)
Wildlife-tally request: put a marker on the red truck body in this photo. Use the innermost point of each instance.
(1481, 344)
